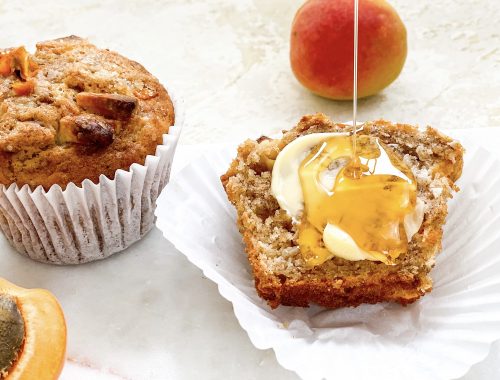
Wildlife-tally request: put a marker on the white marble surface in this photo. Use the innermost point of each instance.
(147, 313)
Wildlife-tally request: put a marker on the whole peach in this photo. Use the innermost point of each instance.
(321, 48)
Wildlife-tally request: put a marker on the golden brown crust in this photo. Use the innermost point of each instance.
(270, 236)
(79, 83)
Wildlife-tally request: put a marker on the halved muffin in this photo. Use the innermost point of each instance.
(271, 237)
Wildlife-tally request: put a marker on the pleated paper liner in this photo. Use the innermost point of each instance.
(93, 221)
(439, 337)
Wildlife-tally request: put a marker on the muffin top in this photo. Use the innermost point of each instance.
(72, 112)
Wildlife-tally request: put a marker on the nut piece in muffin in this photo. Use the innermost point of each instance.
(283, 275)
(71, 112)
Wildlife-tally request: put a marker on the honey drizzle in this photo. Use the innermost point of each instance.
(355, 79)
(369, 204)
(370, 208)
(355, 165)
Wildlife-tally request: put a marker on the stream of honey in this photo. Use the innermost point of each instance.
(369, 198)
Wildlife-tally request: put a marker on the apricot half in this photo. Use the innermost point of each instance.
(322, 47)
(32, 334)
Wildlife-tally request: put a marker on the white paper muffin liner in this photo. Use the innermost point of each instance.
(91, 222)
(439, 337)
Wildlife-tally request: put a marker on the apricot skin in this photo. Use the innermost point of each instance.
(321, 47)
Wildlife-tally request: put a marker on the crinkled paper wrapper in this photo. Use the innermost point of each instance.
(94, 221)
(439, 337)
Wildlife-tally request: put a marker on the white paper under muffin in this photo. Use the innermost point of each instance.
(439, 337)
(93, 221)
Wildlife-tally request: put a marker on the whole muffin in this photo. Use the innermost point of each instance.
(72, 112)
(87, 139)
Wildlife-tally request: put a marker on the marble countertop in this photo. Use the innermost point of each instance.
(149, 314)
